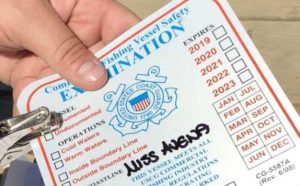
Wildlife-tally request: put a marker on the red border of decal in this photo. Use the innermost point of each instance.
(257, 68)
(146, 26)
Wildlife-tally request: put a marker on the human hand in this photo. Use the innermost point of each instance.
(40, 37)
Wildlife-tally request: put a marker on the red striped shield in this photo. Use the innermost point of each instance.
(140, 102)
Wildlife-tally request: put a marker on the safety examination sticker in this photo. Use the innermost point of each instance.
(190, 101)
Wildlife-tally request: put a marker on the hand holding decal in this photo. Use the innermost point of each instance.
(40, 37)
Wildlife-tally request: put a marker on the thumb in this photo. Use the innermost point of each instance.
(47, 36)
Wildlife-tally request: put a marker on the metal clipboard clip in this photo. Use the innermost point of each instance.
(17, 133)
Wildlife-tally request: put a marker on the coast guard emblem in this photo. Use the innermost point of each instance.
(141, 104)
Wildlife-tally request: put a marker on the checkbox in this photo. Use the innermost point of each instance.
(245, 76)
(226, 43)
(219, 32)
(232, 54)
(48, 136)
(231, 184)
(66, 184)
(55, 155)
(239, 65)
(63, 177)
(59, 164)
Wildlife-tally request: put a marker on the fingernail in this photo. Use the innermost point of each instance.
(91, 71)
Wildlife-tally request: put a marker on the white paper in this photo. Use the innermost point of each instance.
(190, 101)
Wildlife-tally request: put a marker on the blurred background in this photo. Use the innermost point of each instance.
(5, 101)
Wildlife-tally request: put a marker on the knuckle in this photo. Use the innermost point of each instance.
(69, 52)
